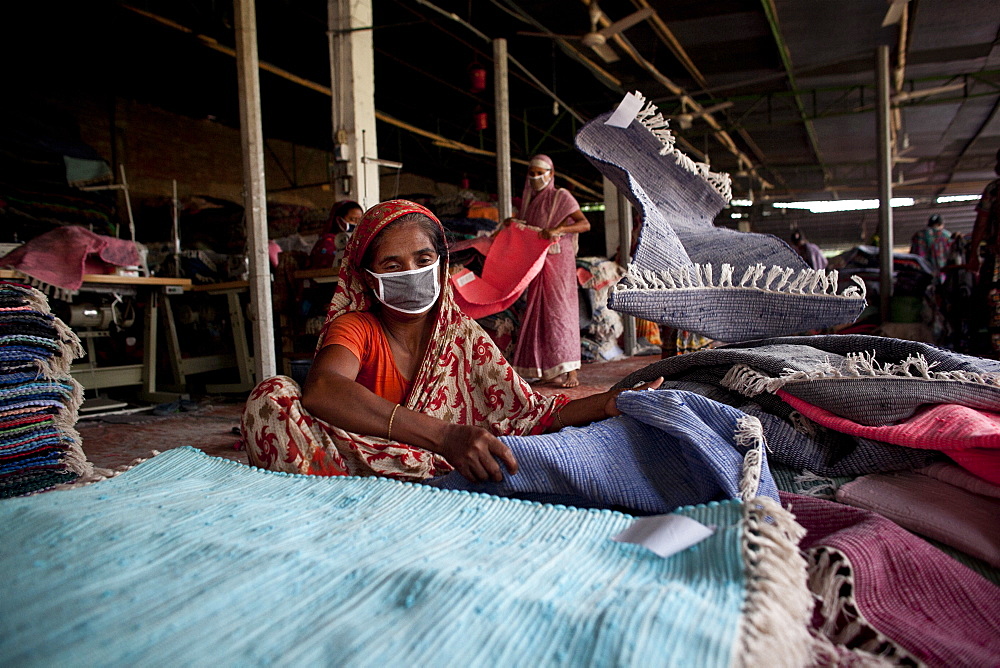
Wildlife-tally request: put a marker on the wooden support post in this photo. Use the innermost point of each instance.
(254, 189)
(502, 106)
(884, 146)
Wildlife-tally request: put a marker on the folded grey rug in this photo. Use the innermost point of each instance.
(869, 379)
(687, 273)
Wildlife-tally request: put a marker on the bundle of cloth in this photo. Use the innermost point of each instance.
(864, 439)
(58, 259)
(39, 400)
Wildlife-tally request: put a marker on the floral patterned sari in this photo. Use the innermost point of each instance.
(463, 379)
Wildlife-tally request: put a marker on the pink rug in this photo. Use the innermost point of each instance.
(885, 590)
(514, 258)
(968, 436)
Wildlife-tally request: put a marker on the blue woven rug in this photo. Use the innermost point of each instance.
(668, 449)
(188, 559)
(691, 275)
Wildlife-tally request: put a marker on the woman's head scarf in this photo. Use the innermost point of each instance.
(549, 206)
(463, 379)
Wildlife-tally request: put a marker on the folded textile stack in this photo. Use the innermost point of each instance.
(39, 447)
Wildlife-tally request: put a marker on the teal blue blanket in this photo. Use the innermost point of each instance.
(188, 559)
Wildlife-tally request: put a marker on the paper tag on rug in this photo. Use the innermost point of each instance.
(665, 534)
(626, 112)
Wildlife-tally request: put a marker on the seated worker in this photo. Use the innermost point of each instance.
(403, 383)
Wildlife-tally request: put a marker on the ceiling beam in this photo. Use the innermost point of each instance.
(771, 12)
(436, 139)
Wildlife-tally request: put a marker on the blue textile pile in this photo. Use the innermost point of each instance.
(39, 447)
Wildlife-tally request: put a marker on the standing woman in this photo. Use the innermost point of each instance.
(548, 346)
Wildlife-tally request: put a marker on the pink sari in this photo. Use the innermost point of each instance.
(463, 379)
(549, 341)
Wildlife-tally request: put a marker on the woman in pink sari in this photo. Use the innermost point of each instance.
(548, 346)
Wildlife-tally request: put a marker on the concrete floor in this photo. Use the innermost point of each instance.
(113, 441)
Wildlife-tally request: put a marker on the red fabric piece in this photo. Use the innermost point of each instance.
(968, 436)
(939, 610)
(514, 258)
(61, 257)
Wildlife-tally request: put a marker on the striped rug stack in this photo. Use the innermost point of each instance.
(39, 400)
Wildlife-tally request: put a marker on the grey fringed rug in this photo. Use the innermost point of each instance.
(688, 274)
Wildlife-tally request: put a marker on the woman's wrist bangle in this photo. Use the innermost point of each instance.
(559, 420)
(392, 416)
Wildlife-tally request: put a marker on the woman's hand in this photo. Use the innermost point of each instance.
(472, 451)
(550, 232)
(611, 405)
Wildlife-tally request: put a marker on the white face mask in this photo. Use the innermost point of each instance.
(539, 182)
(414, 291)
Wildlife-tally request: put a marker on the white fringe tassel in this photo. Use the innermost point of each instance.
(749, 382)
(778, 603)
(777, 280)
(864, 365)
(808, 483)
(653, 120)
(750, 435)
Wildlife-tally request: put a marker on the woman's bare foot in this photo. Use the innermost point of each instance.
(568, 379)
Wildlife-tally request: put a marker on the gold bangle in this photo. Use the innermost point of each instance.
(388, 432)
(559, 420)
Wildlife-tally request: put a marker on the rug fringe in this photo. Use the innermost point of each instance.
(809, 484)
(831, 579)
(755, 277)
(750, 435)
(778, 603)
(651, 119)
(864, 365)
(749, 382)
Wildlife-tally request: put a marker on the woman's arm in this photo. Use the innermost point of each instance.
(332, 394)
(575, 223)
(595, 407)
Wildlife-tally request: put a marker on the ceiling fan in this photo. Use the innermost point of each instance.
(685, 119)
(597, 39)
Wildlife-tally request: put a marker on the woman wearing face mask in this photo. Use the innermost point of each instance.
(548, 345)
(403, 383)
(344, 217)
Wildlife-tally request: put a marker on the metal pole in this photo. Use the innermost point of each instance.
(884, 143)
(254, 190)
(624, 257)
(502, 100)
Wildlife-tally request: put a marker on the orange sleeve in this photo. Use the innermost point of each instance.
(362, 335)
(351, 331)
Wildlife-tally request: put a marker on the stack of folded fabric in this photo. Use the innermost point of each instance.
(39, 447)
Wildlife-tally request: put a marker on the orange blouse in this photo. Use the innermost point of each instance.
(361, 333)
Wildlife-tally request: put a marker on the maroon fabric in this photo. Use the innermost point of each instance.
(62, 256)
(934, 607)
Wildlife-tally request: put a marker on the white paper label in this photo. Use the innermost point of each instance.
(463, 278)
(665, 534)
(626, 111)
